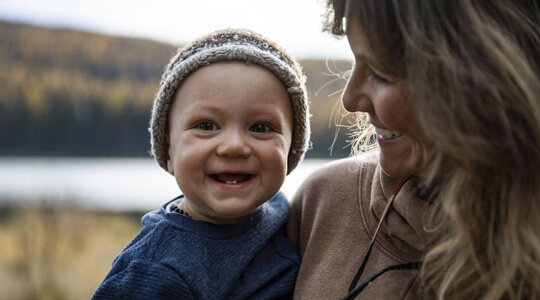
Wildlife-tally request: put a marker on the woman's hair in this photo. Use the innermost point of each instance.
(473, 71)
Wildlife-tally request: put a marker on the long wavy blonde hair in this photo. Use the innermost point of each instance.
(473, 69)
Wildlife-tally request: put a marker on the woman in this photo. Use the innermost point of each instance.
(451, 90)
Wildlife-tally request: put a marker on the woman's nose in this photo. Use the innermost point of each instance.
(354, 97)
(234, 144)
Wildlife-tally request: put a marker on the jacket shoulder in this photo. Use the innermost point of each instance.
(339, 172)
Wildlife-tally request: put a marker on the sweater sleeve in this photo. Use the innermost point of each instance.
(143, 280)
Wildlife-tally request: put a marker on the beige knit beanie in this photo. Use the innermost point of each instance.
(239, 45)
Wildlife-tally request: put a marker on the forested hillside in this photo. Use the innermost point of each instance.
(65, 92)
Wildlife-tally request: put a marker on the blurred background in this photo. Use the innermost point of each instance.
(77, 79)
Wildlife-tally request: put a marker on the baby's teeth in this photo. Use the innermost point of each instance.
(231, 181)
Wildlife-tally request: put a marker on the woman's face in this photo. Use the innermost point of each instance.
(384, 98)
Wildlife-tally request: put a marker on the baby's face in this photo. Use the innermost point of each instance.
(230, 128)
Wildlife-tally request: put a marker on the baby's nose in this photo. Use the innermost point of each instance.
(234, 144)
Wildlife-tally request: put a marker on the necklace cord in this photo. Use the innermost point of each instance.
(365, 283)
(358, 274)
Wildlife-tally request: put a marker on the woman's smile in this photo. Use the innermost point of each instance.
(386, 133)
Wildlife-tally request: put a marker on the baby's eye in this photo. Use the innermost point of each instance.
(260, 128)
(207, 126)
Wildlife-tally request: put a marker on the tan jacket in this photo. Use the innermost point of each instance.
(333, 217)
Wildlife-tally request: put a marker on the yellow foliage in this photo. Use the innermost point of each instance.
(34, 98)
(42, 66)
(59, 254)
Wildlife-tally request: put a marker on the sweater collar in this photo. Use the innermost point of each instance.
(403, 233)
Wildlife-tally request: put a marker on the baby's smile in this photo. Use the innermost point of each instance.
(231, 178)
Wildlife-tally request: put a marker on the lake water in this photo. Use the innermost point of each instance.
(128, 184)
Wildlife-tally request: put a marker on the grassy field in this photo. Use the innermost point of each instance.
(59, 253)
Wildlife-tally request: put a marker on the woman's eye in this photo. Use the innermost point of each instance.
(207, 126)
(260, 128)
(377, 77)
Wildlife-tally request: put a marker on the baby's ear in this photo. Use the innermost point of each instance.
(169, 163)
(170, 167)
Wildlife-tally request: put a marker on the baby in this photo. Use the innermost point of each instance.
(229, 122)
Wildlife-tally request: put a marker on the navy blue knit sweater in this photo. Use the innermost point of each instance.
(175, 257)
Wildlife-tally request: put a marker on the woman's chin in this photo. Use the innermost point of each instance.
(399, 168)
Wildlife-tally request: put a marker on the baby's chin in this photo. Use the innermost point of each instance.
(233, 217)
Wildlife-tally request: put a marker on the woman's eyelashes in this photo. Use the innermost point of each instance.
(378, 78)
(365, 66)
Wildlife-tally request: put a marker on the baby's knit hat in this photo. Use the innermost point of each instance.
(232, 45)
